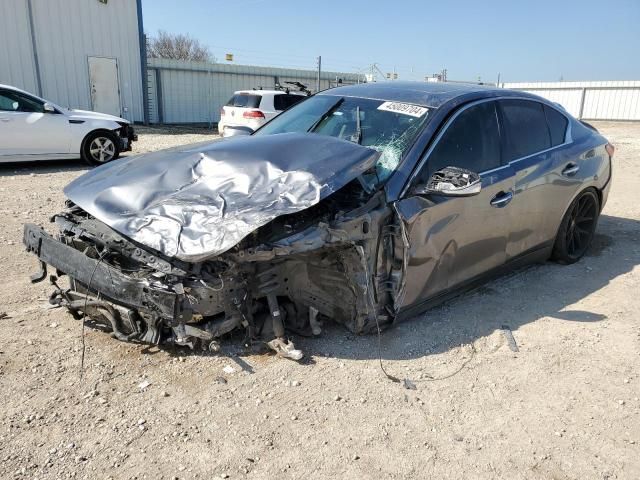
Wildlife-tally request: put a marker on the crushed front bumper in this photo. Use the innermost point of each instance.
(127, 136)
(97, 276)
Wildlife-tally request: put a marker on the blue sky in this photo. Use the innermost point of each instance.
(540, 40)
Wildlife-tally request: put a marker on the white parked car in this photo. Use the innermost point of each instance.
(32, 128)
(248, 110)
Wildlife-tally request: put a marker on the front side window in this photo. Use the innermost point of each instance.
(389, 127)
(471, 141)
(526, 130)
(17, 102)
(245, 100)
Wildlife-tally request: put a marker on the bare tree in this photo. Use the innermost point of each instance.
(178, 47)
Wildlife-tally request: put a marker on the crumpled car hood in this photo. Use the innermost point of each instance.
(197, 202)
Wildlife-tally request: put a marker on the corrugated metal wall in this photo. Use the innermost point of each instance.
(590, 100)
(17, 66)
(66, 33)
(193, 92)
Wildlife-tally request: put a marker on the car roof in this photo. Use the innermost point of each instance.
(15, 89)
(428, 94)
(19, 90)
(267, 92)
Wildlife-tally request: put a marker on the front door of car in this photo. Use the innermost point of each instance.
(27, 129)
(452, 240)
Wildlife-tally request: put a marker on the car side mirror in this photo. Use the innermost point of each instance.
(451, 182)
(48, 108)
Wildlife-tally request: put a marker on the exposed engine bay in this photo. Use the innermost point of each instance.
(338, 259)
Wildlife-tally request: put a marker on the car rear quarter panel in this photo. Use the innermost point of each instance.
(588, 151)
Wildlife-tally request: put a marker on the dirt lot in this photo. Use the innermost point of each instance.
(566, 406)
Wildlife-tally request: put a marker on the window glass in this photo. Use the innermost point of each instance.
(7, 103)
(360, 120)
(245, 100)
(472, 141)
(284, 101)
(16, 102)
(526, 130)
(557, 125)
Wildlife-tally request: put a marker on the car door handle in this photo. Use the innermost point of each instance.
(501, 199)
(5, 119)
(570, 170)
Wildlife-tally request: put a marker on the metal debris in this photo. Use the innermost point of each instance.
(144, 384)
(285, 349)
(408, 384)
(511, 341)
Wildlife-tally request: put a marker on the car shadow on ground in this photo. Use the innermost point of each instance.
(176, 129)
(44, 167)
(523, 296)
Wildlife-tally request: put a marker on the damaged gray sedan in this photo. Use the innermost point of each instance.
(363, 204)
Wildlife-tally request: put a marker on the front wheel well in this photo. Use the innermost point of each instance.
(97, 130)
(105, 151)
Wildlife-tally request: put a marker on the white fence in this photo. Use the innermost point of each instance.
(590, 100)
(194, 92)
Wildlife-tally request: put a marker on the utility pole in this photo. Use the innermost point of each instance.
(318, 77)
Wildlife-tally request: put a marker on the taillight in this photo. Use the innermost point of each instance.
(610, 149)
(253, 114)
(222, 112)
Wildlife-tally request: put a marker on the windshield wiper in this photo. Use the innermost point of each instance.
(326, 114)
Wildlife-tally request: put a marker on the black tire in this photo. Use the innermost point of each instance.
(100, 147)
(577, 228)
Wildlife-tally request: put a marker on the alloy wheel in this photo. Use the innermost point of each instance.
(581, 225)
(102, 149)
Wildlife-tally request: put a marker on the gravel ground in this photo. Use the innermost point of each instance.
(151, 139)
(565, 406)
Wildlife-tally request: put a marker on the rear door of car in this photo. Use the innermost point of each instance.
(27, 129)
(268, 106)
(533, 144)
(452, 240)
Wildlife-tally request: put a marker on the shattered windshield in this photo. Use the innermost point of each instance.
(388, 127)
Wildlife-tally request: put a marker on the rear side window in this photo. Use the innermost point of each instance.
(526, 130)
(245, 100)
(286, 100)
(472, 141)
(557, 125)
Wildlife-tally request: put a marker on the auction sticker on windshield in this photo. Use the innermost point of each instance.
(404, 108)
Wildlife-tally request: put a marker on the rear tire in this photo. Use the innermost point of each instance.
(100, 147)
(577, 228)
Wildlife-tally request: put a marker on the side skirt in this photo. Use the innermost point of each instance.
(537, 254)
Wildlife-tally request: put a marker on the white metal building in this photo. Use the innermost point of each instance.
(83, 54)
(610, 100)
(194, 92)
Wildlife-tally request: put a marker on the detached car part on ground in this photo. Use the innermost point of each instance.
(364, 205)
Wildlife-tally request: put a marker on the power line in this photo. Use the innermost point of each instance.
(256, 57)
